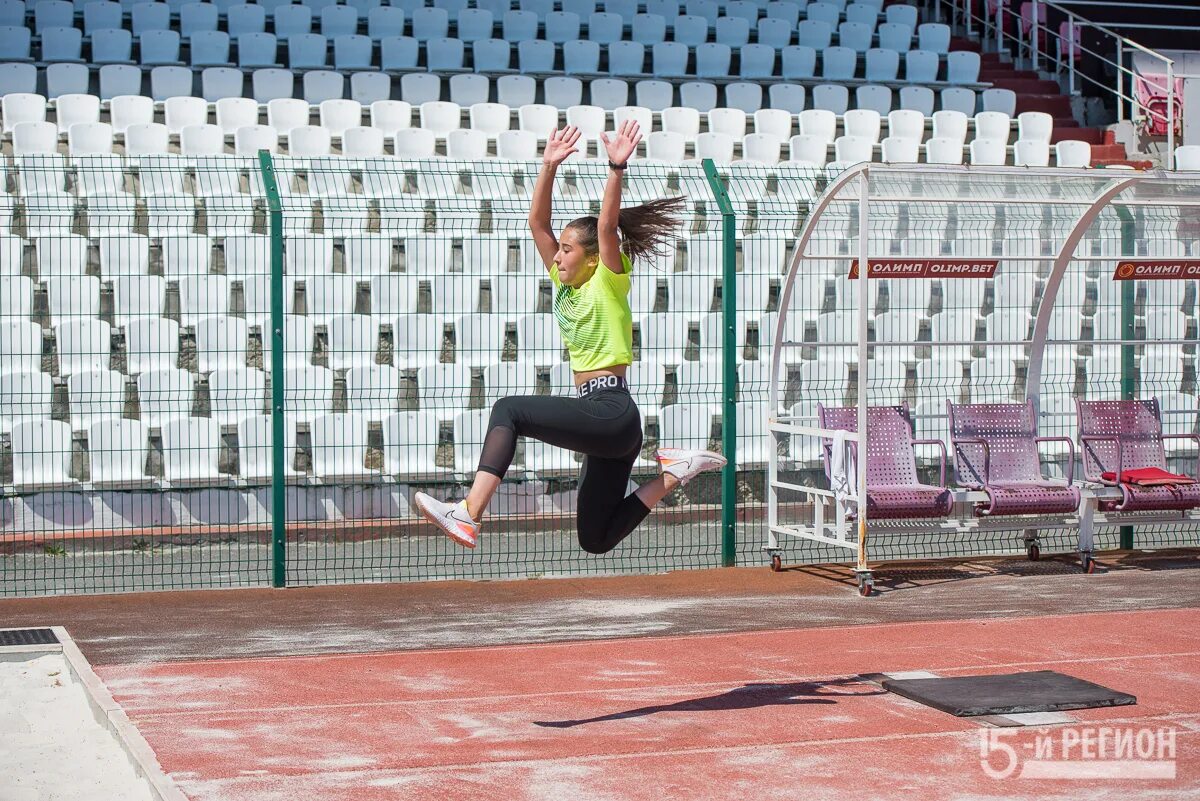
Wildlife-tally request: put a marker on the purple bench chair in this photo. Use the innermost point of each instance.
(995, 450)
(1126, 435)
(894, 491)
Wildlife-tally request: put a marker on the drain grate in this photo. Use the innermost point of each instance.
(27, 637)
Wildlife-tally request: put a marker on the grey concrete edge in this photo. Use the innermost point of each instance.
(109, 714)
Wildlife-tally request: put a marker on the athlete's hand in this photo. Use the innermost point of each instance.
(560, 145)
(622, 145)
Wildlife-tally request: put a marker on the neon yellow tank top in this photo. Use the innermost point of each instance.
(595, 319)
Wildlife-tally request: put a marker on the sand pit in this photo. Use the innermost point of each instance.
(51, 746)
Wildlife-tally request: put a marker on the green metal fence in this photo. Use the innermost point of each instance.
(228, 371)
(251, 363)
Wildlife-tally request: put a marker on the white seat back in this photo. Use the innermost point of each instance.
(256, 454)
(41, 451)
(191, 450)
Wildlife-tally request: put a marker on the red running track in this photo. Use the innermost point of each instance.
(758, 716)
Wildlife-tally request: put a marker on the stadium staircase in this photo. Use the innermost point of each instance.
(1035, 93)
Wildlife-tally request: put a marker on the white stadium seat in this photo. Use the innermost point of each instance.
(191, 449)
(416, 341)
(220, 343)
(117, 454)
(65, 255)
(351, 341)
(479, 339)
(308, 393)
(444, 388)
(685, 425)
(202, 296)
(328, 296)
(24, 395)
(508, 378)
(83, 345)
(41, 453)
(236, 393)
(373, 391)
(339, 449)
(256, 455)
(95, 395)
(409, 446)
(164, 395)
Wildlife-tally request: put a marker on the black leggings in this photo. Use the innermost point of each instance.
(606, 427)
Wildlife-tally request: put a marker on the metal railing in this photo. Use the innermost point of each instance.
(1043, 47)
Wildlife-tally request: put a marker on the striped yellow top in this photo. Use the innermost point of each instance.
(595, 320)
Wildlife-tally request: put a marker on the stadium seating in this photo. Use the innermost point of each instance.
(144, 213)
(291, 45)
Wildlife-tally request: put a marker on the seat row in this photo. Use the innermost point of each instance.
(17, 12)
(325, 296)
(194, 451)
(48, 13)
(442, 118)
(406, 213)
(733, 25)
(360, 257)
(367, 256)
(248, 32)
(520, 147)
(995, 377)
(373, 392)
(350, 342)
(468, 89)
(714, 60)
(690, 295)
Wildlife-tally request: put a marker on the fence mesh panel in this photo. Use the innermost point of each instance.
(128, 364)
(138, 378)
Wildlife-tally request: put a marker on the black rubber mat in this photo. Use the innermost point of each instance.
(27, 637)
(1008, 694)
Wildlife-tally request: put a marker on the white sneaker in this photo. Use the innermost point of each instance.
(686, 464)
(451, 518)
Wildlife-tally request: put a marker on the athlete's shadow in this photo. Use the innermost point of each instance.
(748, 696)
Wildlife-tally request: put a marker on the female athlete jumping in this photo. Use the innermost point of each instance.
(589, 266)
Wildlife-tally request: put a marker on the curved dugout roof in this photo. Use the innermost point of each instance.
(1026, 215)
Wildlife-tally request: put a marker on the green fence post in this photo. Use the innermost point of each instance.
(729, 360)
(278, 440)
(1128, 291)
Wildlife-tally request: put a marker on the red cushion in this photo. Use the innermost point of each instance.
(1148, 477)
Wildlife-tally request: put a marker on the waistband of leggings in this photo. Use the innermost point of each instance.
(601, 383)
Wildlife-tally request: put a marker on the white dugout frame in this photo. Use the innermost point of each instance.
(1096, 191)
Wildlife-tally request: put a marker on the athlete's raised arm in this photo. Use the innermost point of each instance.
(559, 145)
(619, 148)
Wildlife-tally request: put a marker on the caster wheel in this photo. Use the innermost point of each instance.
(776, 563)
(1033, 552)
(866, 588)
(1089, 565)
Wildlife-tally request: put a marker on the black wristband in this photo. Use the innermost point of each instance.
(618, 167)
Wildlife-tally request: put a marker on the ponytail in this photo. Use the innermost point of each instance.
(646, 230)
